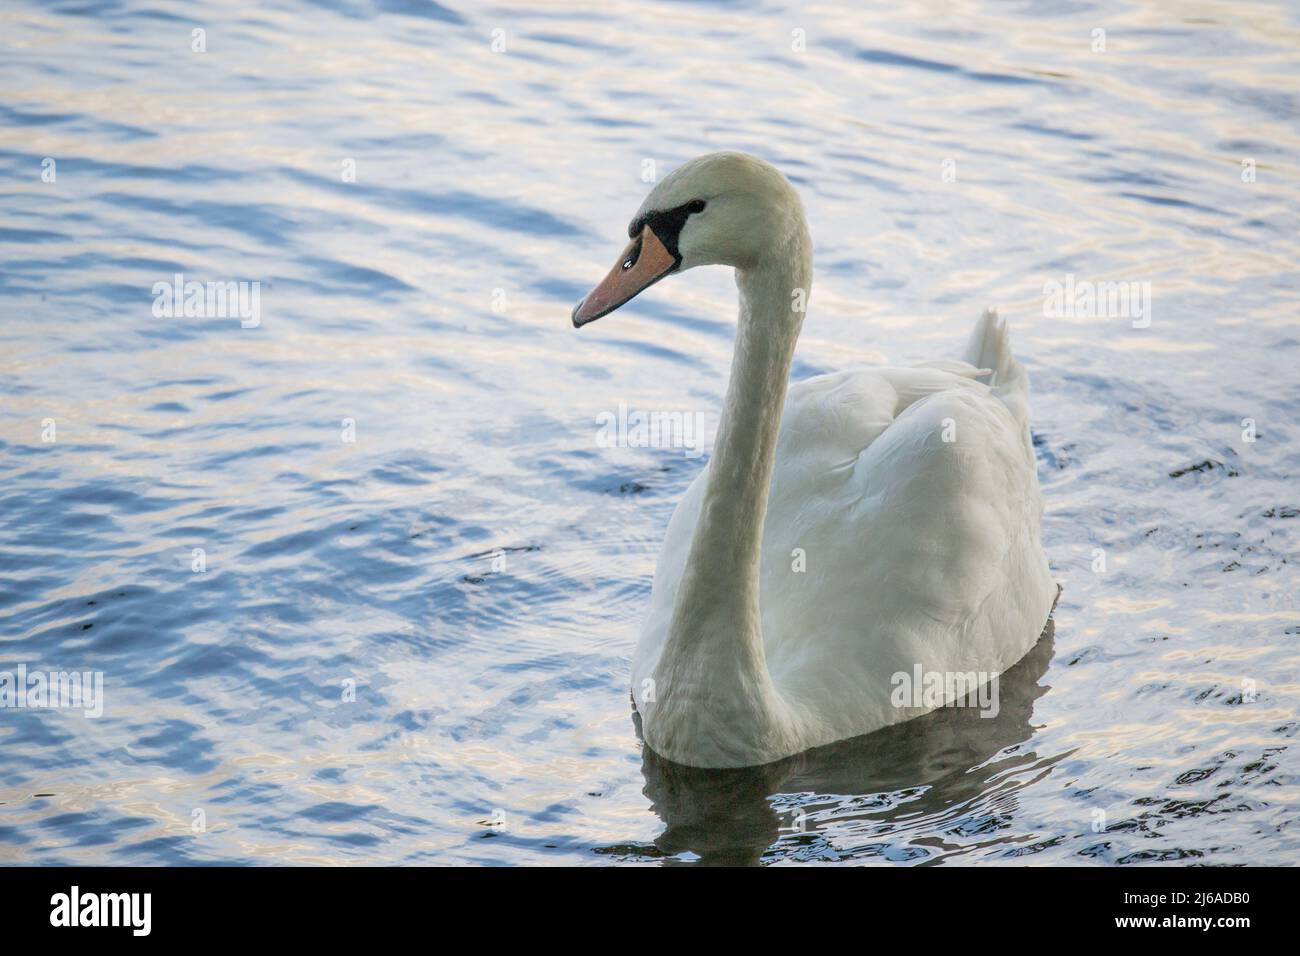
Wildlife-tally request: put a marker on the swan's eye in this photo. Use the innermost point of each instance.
(630, 261)
(696, 205)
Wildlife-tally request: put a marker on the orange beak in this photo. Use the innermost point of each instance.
(643, 263)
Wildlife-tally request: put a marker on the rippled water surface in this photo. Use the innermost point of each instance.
(473, 565)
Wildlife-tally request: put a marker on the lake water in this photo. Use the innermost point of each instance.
(362, 580)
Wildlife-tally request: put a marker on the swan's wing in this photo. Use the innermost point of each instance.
(902, 530)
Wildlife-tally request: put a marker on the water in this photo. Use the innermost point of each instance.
(473, 565)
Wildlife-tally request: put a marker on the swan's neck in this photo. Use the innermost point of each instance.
(715, 630)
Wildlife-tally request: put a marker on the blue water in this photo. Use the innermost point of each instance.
(412, 646)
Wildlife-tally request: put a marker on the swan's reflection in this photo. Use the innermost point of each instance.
(941, 760)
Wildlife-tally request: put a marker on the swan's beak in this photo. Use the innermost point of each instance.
(643, 263)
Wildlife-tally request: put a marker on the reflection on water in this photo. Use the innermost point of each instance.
(952, 769)
(363, 581)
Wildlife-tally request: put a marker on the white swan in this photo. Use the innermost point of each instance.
(911, 493)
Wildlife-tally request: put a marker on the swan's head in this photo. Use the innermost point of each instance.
(728, 209)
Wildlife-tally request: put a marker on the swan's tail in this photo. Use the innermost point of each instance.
(989, 349)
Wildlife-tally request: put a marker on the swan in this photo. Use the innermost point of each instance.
(850, 534)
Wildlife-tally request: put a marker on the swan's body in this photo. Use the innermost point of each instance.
(869, 523)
